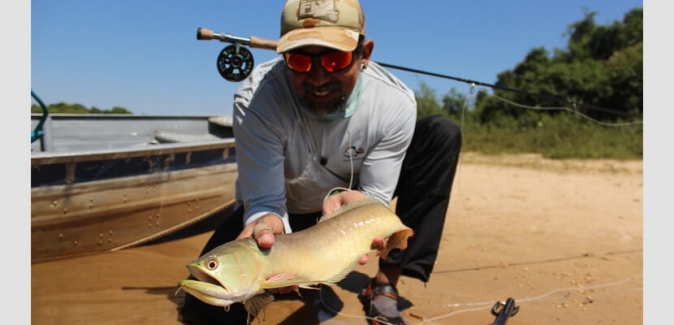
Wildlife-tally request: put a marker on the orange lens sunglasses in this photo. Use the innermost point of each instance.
(332, 61)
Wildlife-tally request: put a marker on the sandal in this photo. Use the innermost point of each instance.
(380, 301)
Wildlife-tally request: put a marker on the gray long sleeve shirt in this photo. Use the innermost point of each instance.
(279, 147)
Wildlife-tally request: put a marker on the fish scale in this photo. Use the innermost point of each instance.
(335, 246)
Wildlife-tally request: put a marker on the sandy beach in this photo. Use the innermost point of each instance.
(564, 239)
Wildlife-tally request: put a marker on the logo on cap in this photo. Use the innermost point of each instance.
(318, 9)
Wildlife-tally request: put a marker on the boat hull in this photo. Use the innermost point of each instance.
(86, 203)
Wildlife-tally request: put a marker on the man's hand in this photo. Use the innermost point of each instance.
(263, 230)
(378, 244)
(333, 202)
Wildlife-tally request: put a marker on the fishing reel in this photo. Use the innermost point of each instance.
(235, 62)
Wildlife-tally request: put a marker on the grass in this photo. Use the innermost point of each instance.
(557, 137)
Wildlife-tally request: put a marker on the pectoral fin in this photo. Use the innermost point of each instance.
(279, 281)
(286, 280)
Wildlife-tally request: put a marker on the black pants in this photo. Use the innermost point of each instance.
(423, 193)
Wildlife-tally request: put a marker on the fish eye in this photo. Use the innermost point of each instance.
(211, 264)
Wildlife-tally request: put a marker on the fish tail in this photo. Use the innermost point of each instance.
(397, 240)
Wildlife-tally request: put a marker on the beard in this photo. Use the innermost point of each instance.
(327, 107)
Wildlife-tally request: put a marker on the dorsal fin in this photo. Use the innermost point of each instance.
(348, 207)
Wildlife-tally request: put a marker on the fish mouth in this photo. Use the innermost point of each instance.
(206, 288)
(202, 276)
(211, 291)
(207, 292)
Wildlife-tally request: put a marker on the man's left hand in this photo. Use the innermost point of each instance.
(333, 202)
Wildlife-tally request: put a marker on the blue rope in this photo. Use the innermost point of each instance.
(38, 132)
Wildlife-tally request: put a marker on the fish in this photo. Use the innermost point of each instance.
(239, 271)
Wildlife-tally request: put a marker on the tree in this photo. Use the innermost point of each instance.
(427, 102)
(65, 108)
(119, 110)
(454, 102)
(601, 66)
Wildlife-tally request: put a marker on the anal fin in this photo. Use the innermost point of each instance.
(258, 303)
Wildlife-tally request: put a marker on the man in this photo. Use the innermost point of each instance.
(324, 117)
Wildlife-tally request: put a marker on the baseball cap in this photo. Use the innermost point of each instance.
(335, 24)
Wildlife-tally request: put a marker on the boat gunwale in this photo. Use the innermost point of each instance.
(44, 158)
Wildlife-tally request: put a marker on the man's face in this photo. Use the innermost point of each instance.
(326, 92)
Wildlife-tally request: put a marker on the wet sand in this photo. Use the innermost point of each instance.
(563, 238)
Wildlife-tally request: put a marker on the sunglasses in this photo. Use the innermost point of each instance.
(331, 61)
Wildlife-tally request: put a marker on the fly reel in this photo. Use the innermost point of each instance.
(235, 62)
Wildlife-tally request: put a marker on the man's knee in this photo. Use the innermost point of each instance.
(439, 128)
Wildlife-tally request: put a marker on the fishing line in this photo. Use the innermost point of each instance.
(489, 305)
(465, 100)
(336, 312)
(472, 82)
(339, 188)
(350, 160)
(540, 297)
(459, 172)
(566, 109)
(599, 286)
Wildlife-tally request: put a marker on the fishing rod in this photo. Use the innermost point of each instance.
(235, 63)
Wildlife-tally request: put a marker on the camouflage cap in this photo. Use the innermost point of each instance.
(335, 24)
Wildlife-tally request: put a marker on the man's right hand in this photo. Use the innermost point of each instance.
(263, 230)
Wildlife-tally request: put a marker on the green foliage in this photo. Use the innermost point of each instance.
(427, 103)
(453, 104)
(65, 108)
(625, 70)
(562, 136)
(119, 110)
(601, 66)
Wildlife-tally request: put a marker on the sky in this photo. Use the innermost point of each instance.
(144, 55)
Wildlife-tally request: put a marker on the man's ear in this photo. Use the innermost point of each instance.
(366, 52)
